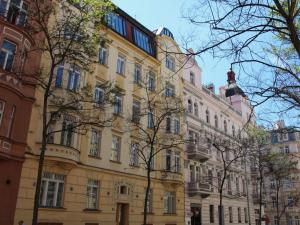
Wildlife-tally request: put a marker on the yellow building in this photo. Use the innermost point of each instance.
(93, 178)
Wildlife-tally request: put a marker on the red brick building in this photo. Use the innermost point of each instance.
(17, 87)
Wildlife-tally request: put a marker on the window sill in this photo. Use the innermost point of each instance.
(103, 64)
(95, 157)
(52, 208)
(148, 213)
(114, 161)
(92, 210)
(134, 166)
(122, 75)
(170, 214)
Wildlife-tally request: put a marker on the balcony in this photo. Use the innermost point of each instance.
(62, 153)
(173, 177)
(198, 152)
(200, 188)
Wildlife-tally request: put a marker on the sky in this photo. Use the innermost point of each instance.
(168, 13)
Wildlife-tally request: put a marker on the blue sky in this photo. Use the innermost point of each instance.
(168, 13)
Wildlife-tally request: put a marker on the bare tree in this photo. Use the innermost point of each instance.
(155, 125)
(69, 39)
(262, 38)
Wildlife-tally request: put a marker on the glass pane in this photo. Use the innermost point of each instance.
(60, 195)
(50, 194)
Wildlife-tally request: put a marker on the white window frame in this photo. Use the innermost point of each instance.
(2, 108)
(169, 203)
(149, 206)
(121, 65)
(73, 73)
(115, 148)
(176, 125)
(137, 76)
(7, 54)
(134, 154)
(20, 8)
(92, 194)
(57, 179)
(151, 81)
(136, 111)
(118, 105)
(169, 90)
(177, 166)
(99, 95)
(103, 55)
(170, 62)
(192, 78)
(95, 143)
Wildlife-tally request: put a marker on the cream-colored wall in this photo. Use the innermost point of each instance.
(77, 166)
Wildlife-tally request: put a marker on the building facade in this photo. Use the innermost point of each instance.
(96, 178)
(211, 117)
(284, 141)
(17, 87)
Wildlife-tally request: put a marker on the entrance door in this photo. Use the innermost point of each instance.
(122, 216)
(196, 215)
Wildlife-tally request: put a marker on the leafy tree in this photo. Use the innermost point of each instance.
(69, 38)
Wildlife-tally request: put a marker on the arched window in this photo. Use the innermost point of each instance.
(225, 126)
(207, 116)
(196, 110)
(216, 121)
(233, 131)
(190, 106)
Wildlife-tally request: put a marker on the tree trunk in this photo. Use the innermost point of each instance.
(221, 209)
(260, 197)
(147, 193)
(41, 163)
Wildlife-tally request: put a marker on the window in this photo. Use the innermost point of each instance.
(168, 160)
(177, 162)
(92, 194)
(2, 104)
(233, 131)
(229, 185)
(289, 220)
(216, 121)
(196, 110)
(170, 62)
(121, 65)
(118, 105)
(103, 55)
(290, 201)
(143, 41)
(99, 95)
(150, 123)
(211, 214)
(286, 149)
(95, 143)
(67, 133)
(272, 184)
(7, 55)
(170, 90)
(116, 23)
(230, 215)
(246, 215)
(136, 111)
(207, 116)
(239, 215)
(151, 81)
(168, 124)
(124, 190)
(74, 79)
(169, 203)
(115, 148)
(176, 125)
(274, 202)
(149, 201)
(59, 75)
(192, 78)
(134, 154)
(11, 120)
(137, 76)
(275, 220)
(225, 126)
(15, 11)
(190, 106)
(237, 182)
(297, 221)
(52, 190)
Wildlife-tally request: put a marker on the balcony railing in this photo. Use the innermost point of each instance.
(201, 188)
(198, 151)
